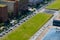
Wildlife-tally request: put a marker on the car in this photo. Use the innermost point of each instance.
(32, 9)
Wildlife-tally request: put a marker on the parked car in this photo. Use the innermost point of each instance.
(32, 9)
(13, 22)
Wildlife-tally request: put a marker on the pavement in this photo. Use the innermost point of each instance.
(43, 33)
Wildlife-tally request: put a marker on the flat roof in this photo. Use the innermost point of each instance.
(2, 5)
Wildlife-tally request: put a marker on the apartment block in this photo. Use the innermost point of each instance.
(3, 13)
(12, 5)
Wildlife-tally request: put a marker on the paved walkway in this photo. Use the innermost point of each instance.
(43, 33)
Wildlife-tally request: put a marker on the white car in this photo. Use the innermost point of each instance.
(32, 9)
(13, 22)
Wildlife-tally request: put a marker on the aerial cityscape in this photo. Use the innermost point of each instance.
(29, 19)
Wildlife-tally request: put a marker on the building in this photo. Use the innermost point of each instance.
(7, 0)
(11, 0)
(12, 6)
(23, 5)
(16, 8)
(34, 2)
(3, 13)
(56, 21)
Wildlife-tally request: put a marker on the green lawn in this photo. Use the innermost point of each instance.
(29, 28)
(55, 5)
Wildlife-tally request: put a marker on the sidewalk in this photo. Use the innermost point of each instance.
(43, 33)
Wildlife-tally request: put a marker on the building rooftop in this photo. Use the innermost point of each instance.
(2, 5)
